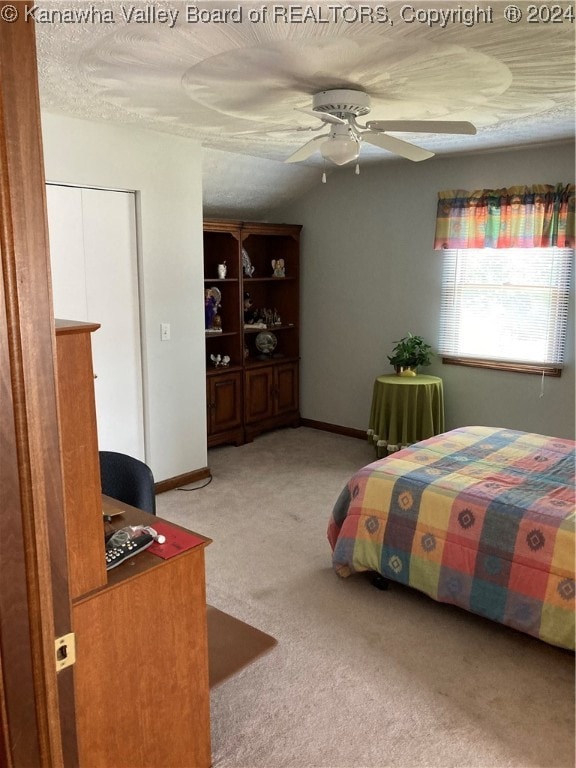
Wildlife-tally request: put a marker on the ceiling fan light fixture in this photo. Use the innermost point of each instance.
(339, 109)
(340, 150)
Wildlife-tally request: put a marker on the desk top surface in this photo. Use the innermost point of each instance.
(409, 380)
(122, 515)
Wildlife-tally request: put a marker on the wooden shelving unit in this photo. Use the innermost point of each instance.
(256, 392)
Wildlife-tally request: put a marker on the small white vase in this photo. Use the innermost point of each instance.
(221, 271)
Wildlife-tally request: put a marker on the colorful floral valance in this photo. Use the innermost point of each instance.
(540, 216)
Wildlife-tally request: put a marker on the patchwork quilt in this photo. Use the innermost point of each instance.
(478, 517)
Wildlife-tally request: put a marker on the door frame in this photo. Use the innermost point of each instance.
(37, 721)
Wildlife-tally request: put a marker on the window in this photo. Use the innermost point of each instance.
(506, 308)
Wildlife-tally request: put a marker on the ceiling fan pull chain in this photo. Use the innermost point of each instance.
(357, 170)
(323, 177)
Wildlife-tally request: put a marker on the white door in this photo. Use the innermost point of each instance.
(93, 250)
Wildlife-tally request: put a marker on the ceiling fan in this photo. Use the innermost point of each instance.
(338, 109)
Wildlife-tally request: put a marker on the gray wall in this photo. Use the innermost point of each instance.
(370, 275)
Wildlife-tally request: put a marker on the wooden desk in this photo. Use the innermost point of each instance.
(404, 411)
(141, 675)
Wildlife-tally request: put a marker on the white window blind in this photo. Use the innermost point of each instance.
(507, 305)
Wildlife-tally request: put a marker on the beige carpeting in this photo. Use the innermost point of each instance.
(359, 678)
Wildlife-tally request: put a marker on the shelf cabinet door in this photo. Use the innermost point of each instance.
(286, 388)
(271, 392)
(259, 394)
(224, 399)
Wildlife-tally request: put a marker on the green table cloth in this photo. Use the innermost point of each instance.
(405, 410)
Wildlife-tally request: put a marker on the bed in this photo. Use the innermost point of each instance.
(479, 517)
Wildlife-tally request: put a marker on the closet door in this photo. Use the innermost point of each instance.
(111, 258)
(93, 251)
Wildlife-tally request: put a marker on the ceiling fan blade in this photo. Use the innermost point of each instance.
(423, 126)
(307, 150)
(397, 146)
(326, 117)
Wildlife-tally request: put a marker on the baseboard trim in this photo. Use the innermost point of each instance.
(185, 479)
(204, 473)
(325, 427)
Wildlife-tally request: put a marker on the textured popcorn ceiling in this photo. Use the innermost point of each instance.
(236, 87)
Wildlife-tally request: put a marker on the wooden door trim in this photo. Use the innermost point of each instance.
(34, 598)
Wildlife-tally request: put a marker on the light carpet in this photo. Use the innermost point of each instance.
(359, 678)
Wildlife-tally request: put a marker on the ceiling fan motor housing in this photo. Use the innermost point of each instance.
(342, 102)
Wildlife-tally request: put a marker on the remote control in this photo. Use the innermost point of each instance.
(117, 553)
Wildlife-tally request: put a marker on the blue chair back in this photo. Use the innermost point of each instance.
(128, 480)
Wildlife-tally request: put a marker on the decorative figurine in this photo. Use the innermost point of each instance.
(247, 264)
(220, 361)
(249, 313)
(209, 308)
(212, 320)
(278, 269)
(222, 269)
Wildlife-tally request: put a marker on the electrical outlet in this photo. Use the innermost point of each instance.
(165, 331)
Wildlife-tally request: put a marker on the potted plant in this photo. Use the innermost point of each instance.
(410, 353)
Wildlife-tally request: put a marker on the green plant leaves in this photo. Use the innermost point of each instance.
(411, 352)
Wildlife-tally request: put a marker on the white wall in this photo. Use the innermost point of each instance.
(370, 274)
(166, 173)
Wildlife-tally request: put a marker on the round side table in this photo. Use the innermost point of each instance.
(405, 410)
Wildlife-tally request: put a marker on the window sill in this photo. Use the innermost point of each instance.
(500, 365)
